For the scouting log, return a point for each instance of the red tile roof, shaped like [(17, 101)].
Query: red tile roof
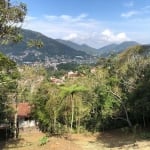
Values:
[(24, 109)]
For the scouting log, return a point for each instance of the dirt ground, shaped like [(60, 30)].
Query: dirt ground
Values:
[(30, 140)]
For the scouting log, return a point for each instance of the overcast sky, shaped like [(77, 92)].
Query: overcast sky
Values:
[(94, 22)]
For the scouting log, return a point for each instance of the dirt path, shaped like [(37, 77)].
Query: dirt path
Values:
[(88, 142), (107, 141), (111, 141)]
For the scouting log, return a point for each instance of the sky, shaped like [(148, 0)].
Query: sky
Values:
[(93, 22)]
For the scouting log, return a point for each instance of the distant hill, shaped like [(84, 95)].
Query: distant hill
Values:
[(58, 50), (103, 51), (83, 47), (52, 48), (116, 48)]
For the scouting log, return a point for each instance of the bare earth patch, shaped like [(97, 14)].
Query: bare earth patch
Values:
[(103, 141)]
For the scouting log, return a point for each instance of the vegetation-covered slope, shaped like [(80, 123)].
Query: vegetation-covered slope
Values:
[(83, 47), (116, 48), (51, 48)]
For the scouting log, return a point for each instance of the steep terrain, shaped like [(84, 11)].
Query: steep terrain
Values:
[(116, 48), (56, 51), (103, 51), (82, 47), (51, 49)]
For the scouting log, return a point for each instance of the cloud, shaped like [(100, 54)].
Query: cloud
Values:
[(67, 18), (80, 29), (129, 14), (71, 36), (140, 13), (109, 36), (76, 28)]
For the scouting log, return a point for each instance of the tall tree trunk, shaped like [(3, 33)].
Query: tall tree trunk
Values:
[(16, 128), (54, 121), (127, 116), (16, 131), (72, 112), (79, 119), (79, 124)]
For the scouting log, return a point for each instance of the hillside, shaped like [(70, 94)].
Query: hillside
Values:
[(56, 51), (83, 47), (51, 49), (116, 48), (103, 51), (142, 50)]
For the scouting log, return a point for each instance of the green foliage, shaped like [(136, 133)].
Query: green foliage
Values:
[(30, 80), (35, 43), (43, 141), (8, 85), (122, 93), (71, 90), (68, 66), (11, 16), (116, 95), (47, 107)]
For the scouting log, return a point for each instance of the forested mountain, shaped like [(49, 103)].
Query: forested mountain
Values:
[(82, 47), (103, 51), (51, 49), (56, 50), (116, 48)]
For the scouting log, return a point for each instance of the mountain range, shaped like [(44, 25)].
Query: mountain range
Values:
[(116, 48), (51, 49), (57, 50), (82, 47), (103, 51)]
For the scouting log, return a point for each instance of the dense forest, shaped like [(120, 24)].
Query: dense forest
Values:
[(114, 93)]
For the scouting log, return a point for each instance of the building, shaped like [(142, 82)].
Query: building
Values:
[(24, 115)]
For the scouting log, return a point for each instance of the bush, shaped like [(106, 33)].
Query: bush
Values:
[(43, 140)]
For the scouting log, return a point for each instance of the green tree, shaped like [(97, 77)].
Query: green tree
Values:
[(11, 18), (70, 91), (8, 85), (47, 106)]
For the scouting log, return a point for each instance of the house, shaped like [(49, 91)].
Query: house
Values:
[(24, 115), (57, 81)]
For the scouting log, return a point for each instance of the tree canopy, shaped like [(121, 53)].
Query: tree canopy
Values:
[(8, 85), (11, 19)]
